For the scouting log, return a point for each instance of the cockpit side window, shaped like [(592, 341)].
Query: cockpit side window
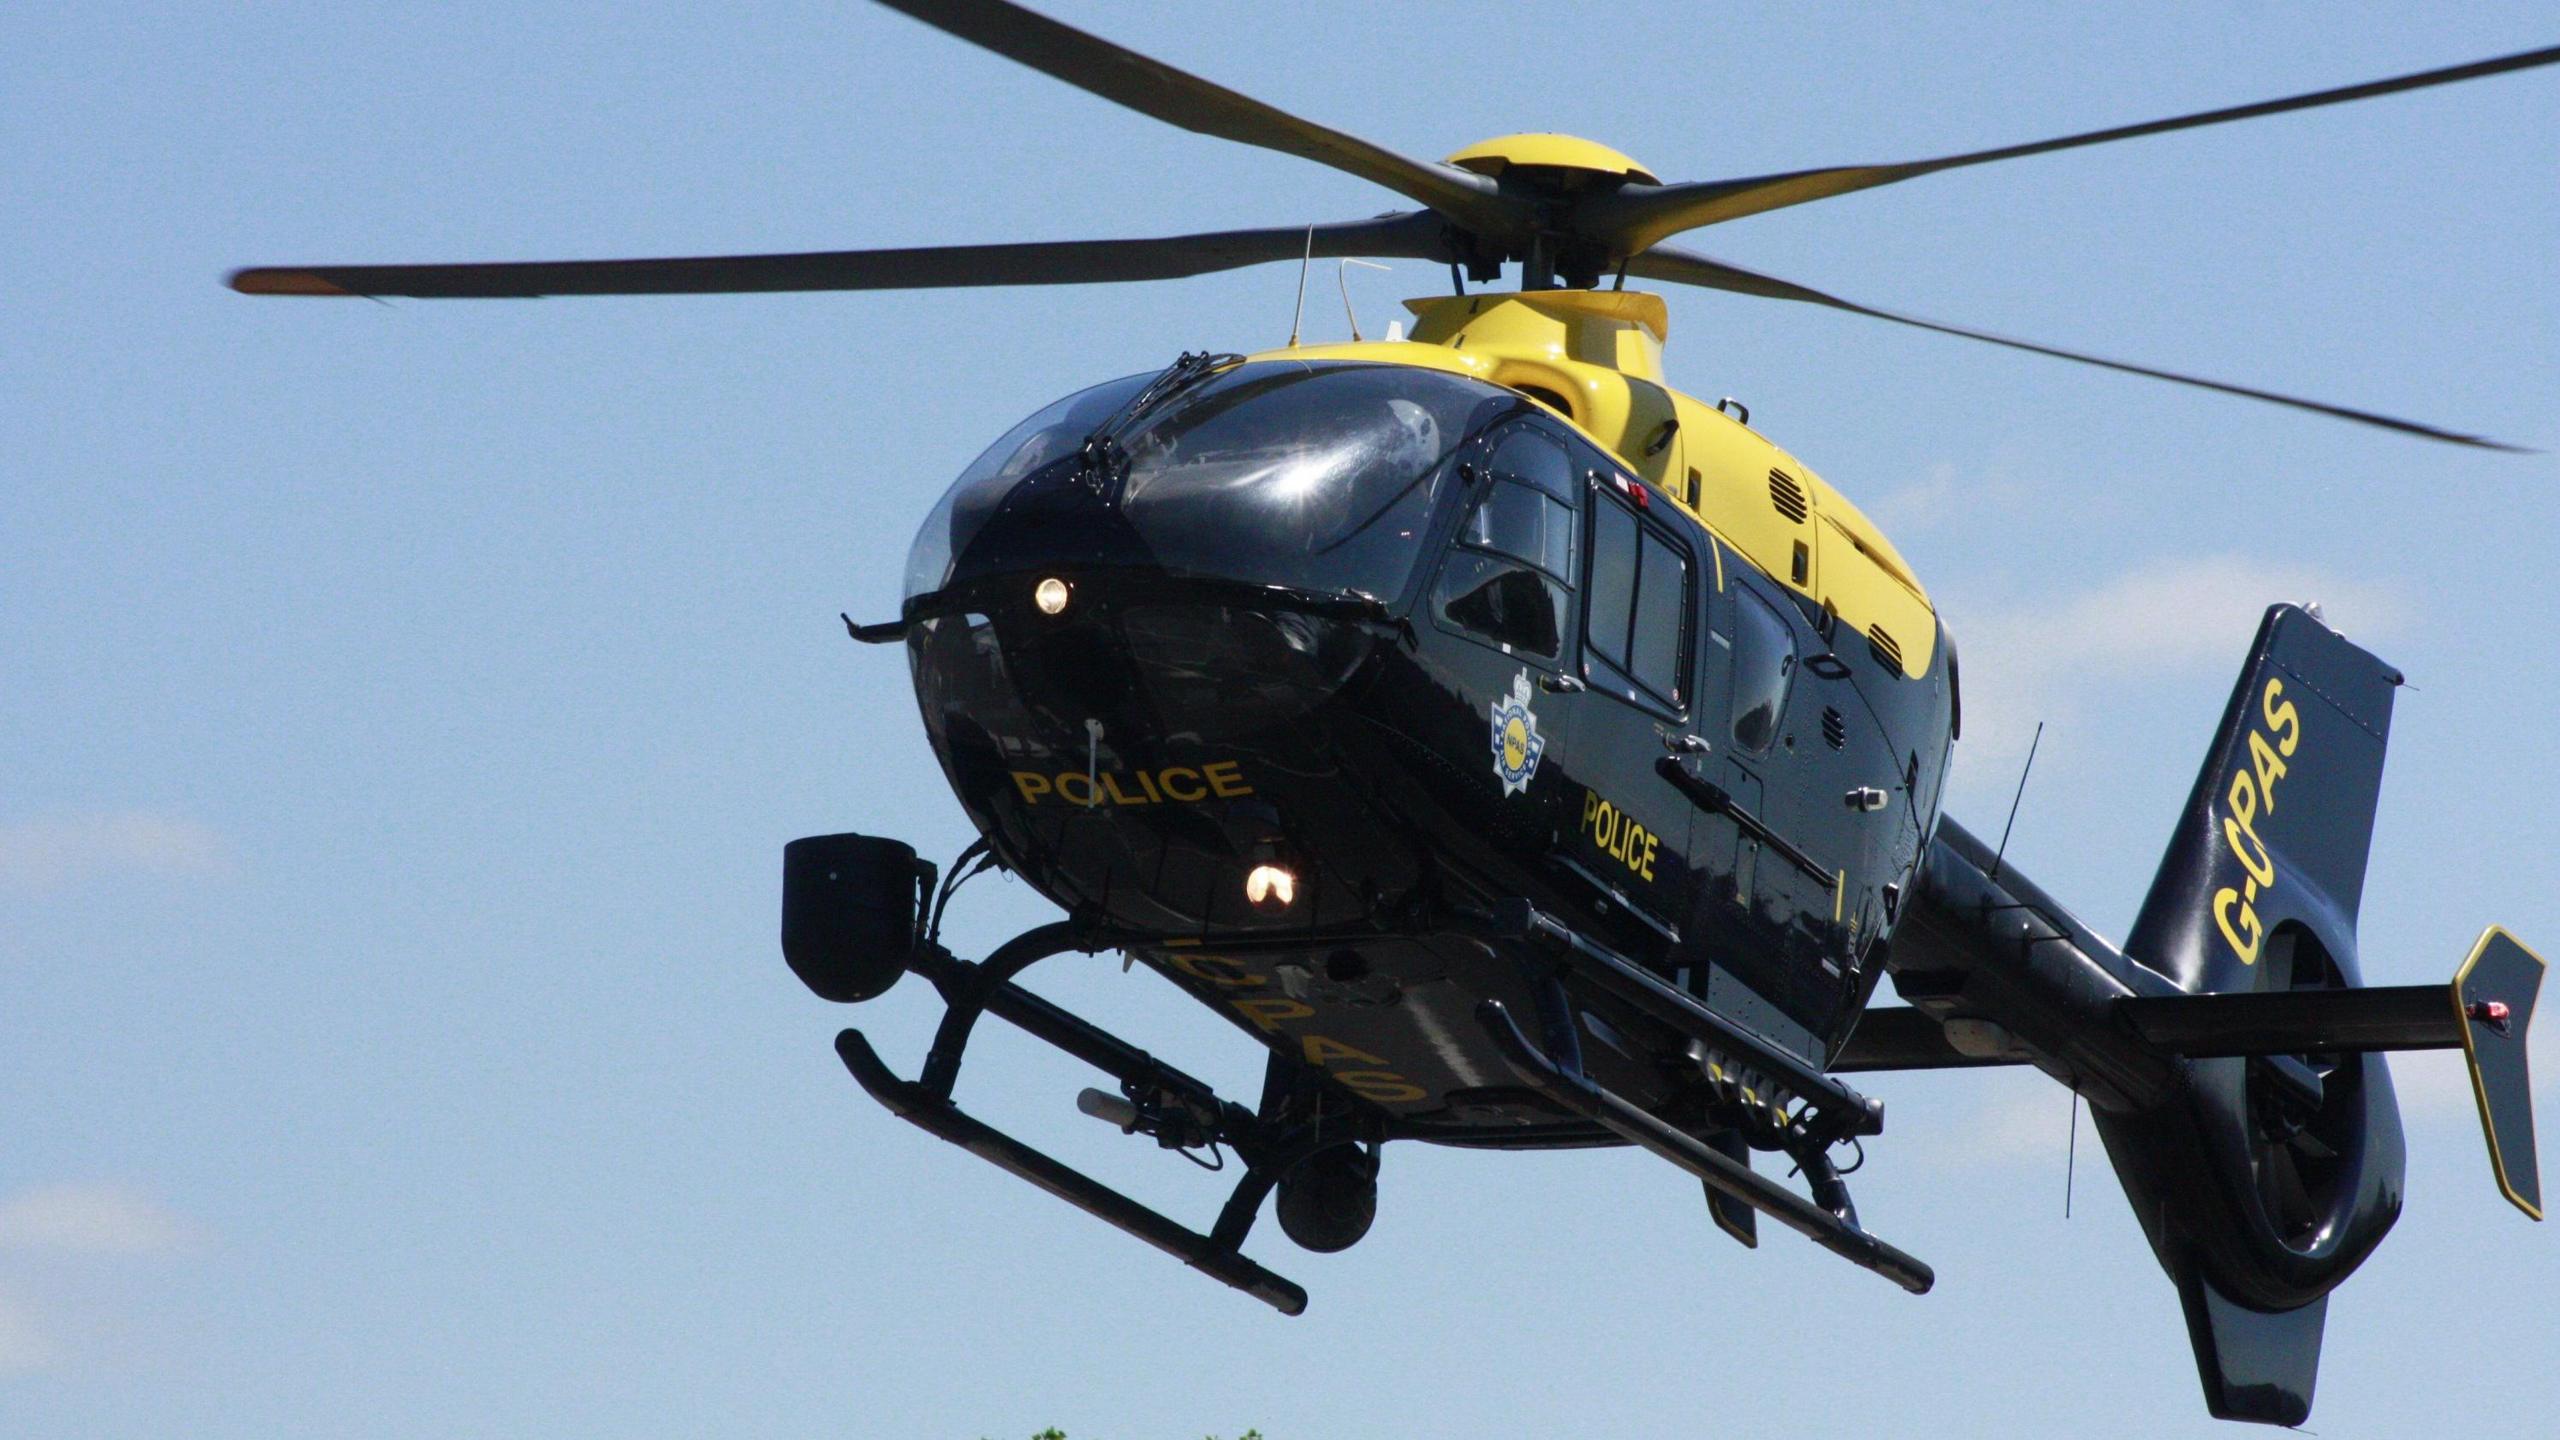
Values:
[(1527, 513), (1507, 579), (1764, 664)]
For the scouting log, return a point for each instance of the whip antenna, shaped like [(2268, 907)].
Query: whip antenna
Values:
[(2023, 771), (1300, 313), (2071, 1157)]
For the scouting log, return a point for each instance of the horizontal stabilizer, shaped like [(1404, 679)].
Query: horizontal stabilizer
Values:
[(2295, 1022)]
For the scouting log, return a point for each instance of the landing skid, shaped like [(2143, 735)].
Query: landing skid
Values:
[(850, 911), (1173, 1106), (1566, 1085), (1552, 1065)]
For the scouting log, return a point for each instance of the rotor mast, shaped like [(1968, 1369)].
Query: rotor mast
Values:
[(1554, 174)]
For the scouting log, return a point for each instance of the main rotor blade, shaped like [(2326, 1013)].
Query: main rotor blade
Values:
[(1154, 88), (1665, 263), (1631, 219), (1414, 234)]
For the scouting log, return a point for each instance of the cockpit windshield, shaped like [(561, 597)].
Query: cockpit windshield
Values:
[(1315, 475)]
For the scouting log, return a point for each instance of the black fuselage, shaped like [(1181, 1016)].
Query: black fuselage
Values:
[(1417, 643)]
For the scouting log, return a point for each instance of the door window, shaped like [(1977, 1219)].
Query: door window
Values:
[(1764, 663), (1640, 602), (1660, 641)]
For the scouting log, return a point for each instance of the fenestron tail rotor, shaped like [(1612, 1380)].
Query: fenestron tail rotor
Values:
[(1565, 209)]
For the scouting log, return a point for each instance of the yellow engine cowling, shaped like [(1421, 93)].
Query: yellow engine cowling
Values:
[(1595, 357)]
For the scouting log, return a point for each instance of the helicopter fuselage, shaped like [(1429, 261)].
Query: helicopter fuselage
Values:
[(1277, 672)]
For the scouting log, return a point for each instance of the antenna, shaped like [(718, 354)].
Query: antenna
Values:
[(1999, 855), (2071, 1157), (1341, 269), (1300, 313)]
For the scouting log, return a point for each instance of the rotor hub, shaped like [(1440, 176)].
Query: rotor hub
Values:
[(1569, 158)]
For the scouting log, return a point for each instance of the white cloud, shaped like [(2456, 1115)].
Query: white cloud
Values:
[(2025, 1127), (1948, 495), (51, 851), (23, 1346), (2042, 657), (1996, 1119), (92, 1219)]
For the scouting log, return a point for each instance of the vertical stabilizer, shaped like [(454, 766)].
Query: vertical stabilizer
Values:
[(2275, 834), (2256, 1364)]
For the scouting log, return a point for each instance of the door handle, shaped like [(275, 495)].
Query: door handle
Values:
[(1714, 798), (1559, 684), (1684, 744)]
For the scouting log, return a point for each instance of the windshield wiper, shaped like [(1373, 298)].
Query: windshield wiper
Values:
[(1102, 460)]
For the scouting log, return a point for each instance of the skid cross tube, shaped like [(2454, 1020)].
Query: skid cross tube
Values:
[(969, 990), (939, 1117), (1581, 1095)]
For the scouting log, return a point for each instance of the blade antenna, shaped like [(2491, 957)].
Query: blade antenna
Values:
[(1300, 313), (2023, 771)]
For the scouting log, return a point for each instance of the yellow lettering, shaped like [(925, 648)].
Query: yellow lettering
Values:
[(1216, 969), (1147, 783), (1268, 1013), (1224, 779), (1165, 776), (1111, 782), (2224, 901), (1323, 1051), (2283, 719), (1619, 835), (1381, 1085), (2244, 799), (2261, 869), (2270, 769), (1071, 778), (1032, 786)]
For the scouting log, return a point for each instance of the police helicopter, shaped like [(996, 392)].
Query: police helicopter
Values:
[(1527, 755)]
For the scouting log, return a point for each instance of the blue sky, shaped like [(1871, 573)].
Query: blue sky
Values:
[(402, 708)]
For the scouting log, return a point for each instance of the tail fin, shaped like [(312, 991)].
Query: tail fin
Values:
[(2275, 834), (2279, 1173)]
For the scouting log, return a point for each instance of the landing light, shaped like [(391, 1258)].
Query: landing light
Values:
[(1050, 595), (1270, 887)]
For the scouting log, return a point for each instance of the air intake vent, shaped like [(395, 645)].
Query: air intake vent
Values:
[(1883, 646), (1835, 731), (1787, 495)]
